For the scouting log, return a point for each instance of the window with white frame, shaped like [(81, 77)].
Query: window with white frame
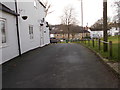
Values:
[(3, 30), (31, 31)]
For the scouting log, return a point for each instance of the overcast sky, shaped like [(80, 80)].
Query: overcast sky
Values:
[(93, 10)]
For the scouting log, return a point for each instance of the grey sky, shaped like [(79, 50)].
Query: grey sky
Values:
[(93, 10)]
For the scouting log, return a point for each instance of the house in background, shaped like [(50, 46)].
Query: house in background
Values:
[(76, 32), (114, 31), (22, 29), (76, 35), (96, 33)]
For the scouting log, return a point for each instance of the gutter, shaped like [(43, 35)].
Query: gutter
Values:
[(18, 34), (7, 10)]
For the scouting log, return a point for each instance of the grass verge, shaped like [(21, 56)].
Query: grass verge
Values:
[(115, 48)]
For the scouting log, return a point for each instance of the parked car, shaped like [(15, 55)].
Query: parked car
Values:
[(54, 40), (62, 40)]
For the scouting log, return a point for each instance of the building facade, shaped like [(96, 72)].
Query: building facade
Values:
[(8, 34), (99, 33), (78, 35), (60, 31), (114, 31), (23, 28), (96, 33)]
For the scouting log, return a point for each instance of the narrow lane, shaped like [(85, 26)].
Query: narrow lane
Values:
[(58, 66)]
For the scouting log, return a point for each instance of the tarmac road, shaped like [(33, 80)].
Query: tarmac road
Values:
[(58, 66)]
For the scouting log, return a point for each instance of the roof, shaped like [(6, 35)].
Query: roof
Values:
[(96, 29), (7, 10), (60, 29), (115, 24)]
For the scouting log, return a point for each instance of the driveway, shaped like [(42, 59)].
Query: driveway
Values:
[(58, 66)]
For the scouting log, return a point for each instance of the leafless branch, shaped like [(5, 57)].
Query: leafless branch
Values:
[(68, 18), (48, 7)]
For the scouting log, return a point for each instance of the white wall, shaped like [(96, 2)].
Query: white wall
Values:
[(96, 34), (10, 4), (113, 31), (11, 49), (47, 36), (41, 36), (35, 14)]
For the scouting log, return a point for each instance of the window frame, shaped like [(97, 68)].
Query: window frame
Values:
[(31, 33), (4, 44)]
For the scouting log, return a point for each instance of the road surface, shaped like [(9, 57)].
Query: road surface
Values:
[(58, 66)]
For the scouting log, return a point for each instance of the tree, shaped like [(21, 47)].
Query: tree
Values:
[(117, 16), (98, 25), (68, 18), (48, 7)]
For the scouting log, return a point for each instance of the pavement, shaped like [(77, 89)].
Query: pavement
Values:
[(58, 66)]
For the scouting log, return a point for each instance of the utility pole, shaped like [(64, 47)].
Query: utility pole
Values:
[(105, 25), (82, 17), (81, 13)]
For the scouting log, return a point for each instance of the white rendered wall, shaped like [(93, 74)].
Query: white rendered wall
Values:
[(113, 30), (35, 14), (11, 49), (96, 34), (9, 3), (47, 36)]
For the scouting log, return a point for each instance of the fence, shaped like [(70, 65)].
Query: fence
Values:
[(99, 44)]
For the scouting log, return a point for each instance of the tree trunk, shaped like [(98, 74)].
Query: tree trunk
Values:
[(68, 33), (63, 35)]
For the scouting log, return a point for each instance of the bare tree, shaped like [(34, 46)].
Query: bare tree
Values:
[(99, 24), (48, 7), (68, 18), (117, 16)]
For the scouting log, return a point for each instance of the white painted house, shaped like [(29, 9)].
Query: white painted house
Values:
[(23, 30), (31, 32), (96, 33), (99, 33), (8, 34), (114, 31)]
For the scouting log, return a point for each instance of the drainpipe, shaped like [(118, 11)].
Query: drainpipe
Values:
[(18, 34)]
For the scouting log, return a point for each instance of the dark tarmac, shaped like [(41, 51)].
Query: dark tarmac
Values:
[(58, 66)]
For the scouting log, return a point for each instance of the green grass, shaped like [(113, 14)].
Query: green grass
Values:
[(61, 42), (115, 49)]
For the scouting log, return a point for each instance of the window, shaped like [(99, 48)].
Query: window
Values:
[(31, 31), (3, 31)]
